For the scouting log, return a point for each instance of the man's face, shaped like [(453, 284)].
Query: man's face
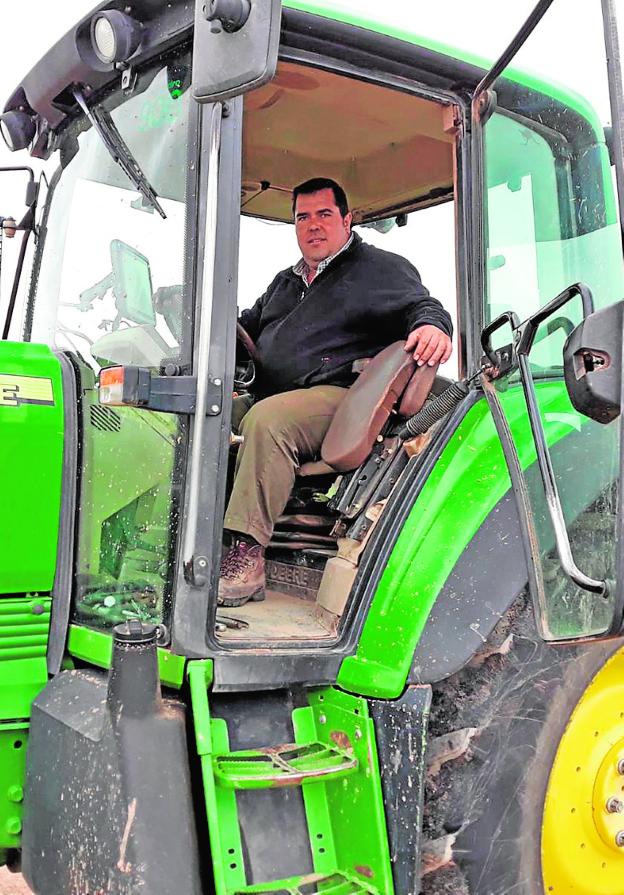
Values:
[(321, 229)]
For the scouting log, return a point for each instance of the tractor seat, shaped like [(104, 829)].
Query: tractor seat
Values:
[(390, 378)]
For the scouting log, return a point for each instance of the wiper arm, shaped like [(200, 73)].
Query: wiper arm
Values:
[(114, 142)]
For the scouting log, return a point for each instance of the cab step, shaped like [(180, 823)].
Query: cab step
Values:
[(289, 765), (304, 816), (312, 884)]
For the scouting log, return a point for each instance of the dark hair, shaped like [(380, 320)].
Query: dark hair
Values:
[(322, 183)]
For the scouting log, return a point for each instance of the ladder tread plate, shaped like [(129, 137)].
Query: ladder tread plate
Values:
[(311, 884), (285, 765)]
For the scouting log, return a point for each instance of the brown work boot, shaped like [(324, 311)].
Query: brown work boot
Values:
[(242, 573)]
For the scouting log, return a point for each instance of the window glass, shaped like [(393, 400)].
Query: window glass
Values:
[(551, 222), (111, 292)]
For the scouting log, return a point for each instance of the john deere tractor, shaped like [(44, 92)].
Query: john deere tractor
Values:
[(431, 698)]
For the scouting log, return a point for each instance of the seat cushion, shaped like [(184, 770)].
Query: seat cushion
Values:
[(366, 407)]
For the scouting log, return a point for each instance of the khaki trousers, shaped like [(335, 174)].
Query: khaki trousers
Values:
[(280, 433)]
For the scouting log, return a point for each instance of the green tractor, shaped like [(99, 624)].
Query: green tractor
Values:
[(431, 698)]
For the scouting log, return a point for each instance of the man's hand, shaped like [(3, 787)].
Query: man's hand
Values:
[(430, 345)]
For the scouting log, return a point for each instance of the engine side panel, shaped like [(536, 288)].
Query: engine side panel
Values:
[(31, 459)]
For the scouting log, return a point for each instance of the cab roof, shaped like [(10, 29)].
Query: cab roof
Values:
[(45, 90)]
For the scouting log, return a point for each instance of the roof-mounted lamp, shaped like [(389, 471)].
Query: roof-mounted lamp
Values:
[(115, 36), (18, 129)]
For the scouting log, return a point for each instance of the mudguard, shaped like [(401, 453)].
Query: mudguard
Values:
[(108, 804)]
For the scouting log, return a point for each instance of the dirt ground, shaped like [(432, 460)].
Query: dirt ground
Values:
[(12, 884)]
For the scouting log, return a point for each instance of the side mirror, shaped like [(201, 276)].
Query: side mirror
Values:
[(592, 363), (13, 193), (235, 46), (132, 283)]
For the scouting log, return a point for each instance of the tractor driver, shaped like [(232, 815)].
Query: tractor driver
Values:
[(344, 300)]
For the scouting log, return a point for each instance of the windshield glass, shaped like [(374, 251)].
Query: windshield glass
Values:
[(94, 297), (110, 291)]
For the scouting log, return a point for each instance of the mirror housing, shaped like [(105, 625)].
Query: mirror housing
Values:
[(592, 363), (235, 47)]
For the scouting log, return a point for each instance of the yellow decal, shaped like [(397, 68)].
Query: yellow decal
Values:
[(16, 390)]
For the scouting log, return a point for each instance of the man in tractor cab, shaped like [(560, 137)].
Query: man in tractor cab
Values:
[(343, 301)]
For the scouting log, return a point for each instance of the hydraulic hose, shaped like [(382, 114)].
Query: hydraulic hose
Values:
[(435, 409)]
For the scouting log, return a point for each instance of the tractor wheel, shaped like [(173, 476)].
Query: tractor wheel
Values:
[(526, 797)]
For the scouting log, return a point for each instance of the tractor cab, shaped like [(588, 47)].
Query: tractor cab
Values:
[(387, 720), (121, 295)]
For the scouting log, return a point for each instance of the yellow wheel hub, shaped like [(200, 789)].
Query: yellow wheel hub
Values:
[(583, 822)]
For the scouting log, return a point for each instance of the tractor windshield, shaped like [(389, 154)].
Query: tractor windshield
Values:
[(110, 291), (110, 286)]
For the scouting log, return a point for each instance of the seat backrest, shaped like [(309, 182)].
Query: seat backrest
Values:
[(368, 404)]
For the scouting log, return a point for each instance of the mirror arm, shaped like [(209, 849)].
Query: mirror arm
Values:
[(520, 38)]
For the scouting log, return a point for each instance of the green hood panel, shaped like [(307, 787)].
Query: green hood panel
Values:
[(31, 459)]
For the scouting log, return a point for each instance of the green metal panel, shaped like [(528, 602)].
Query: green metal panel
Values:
[(31, 457), (344, 808), (13, 739), (96, 647), (346, 818), (465, 485), (24, 627)]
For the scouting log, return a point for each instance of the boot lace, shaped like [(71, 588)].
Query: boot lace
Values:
[(236, 559)]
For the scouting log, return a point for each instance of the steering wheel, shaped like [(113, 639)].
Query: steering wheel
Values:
[(246, 357)]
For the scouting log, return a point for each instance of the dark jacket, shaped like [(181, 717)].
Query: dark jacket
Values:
[(363, 301)]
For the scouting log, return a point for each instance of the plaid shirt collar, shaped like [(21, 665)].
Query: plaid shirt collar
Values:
[(302, 270)]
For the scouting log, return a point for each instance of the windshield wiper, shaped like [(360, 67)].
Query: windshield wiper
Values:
[(114, 142)]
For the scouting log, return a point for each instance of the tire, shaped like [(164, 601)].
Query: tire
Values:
[(492, 799)]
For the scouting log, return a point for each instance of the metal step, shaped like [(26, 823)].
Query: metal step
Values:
[(312, 884), (288, 765), (322, 793)]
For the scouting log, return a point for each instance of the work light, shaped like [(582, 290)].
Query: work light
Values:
[(18, 129), (114, 35)]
